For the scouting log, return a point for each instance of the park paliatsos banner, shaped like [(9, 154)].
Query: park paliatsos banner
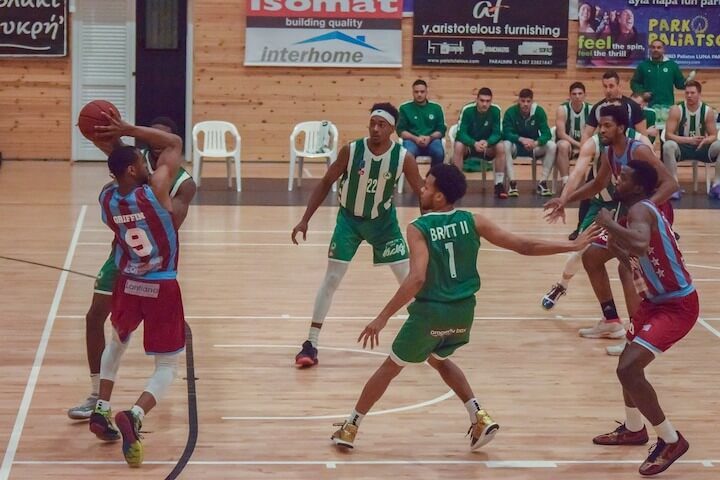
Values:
[(616, 33), (491, 33), (311, 33)]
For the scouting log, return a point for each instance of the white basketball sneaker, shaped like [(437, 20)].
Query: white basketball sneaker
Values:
[(603, 329)]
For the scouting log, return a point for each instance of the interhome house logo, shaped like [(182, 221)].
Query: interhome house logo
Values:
[(327, 6)]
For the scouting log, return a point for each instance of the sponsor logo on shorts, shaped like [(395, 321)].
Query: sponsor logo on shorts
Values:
[(142, 289), (646, 328), (331, 250), (394, 247), (448, 332)]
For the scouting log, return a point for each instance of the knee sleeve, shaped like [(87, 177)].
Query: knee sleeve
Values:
[(111, 356), (165, 373)]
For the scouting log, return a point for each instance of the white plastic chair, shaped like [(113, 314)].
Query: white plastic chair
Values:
[(321, 141), (214, 145), (421, 159), (708, 172)]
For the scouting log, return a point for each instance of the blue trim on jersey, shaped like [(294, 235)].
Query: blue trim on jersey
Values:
[(672, 295), (669, 246), (168, 226)]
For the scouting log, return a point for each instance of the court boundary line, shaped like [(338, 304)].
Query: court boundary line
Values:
[(24, 408), (527, 464)]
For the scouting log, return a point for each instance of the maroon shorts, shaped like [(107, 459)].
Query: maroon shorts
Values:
[(158, 303), (659, 326)]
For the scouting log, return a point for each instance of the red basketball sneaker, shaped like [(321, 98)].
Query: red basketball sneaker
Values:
[(622, 436), (663, 455)]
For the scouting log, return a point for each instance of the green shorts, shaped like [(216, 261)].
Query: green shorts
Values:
[(105, 280), (595, 206), (383, 233), (689, 152), (433, 328)]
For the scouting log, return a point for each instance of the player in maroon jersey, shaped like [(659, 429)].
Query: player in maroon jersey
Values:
[(667, 312)]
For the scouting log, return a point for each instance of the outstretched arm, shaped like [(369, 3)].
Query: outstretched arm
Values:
[(419, 257), (335, 171), (531, 246)]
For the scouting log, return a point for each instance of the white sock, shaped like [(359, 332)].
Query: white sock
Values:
[(472, 406), (633, 419), (499, 177), (564, 179), (355, 418), (138, 411), (313, 335), (95, 383), (103, 405), (666, 431)]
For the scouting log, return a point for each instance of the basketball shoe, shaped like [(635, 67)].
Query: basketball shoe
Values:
[(603, 329), (551, 298), (130, 426), (543, 190), (622, 436), (307, 356), (482, 432), (345, 435), (101, 425), (84, 410), (663, 455), (513, 190)]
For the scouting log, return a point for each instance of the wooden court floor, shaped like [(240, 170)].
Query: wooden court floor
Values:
[(248, 296)]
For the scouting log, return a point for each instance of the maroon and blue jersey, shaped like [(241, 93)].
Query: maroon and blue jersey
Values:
[(660, 274), (146, 240), (616, 163)]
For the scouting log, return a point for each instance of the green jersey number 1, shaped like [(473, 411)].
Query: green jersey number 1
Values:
[(451, 252)]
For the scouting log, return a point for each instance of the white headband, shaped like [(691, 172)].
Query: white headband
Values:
[(383, 114)]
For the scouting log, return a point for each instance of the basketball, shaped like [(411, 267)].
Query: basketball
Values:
[(91, 116)]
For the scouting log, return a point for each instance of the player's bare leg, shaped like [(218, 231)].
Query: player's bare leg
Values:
[(95, 345), (610, 326), (632, 302)]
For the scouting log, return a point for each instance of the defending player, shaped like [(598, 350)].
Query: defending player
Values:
[(368, 169), (668, 311), (443, 279)]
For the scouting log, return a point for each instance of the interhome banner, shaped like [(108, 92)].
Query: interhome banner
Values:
[(616, 33), (491, 33), (33, 28), (324, 33)]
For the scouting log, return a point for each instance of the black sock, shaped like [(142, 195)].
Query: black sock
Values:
[(583, 210), (609, 311)]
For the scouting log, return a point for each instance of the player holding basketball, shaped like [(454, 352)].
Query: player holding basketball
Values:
[(368, 169), (443, 279), (142, 218), (182, 192), (668, 311)]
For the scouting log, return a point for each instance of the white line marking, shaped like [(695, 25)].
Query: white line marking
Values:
[(702, 266), (365, 317), (709, 327), (245, 244), (487, 463), (406, 408), (707, 463), (40, 353), (331, 465)]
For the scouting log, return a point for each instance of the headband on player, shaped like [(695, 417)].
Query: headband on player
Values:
[(385, 115)]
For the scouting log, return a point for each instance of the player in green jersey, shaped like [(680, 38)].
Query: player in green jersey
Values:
[(443, 280), (368, 169), (691, 134), (182, 193)]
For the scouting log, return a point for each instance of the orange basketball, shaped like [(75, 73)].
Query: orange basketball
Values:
[(91, 116)]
